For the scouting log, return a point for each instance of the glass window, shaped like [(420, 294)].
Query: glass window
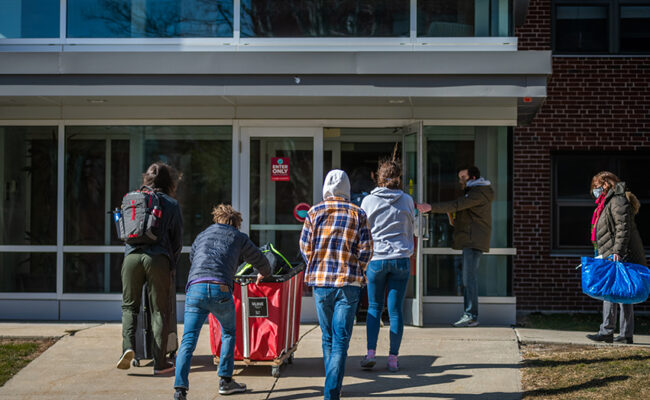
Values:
[(450, 148), (27, 272), (444, 275), (573, 206), (447, 150), (149, 18), (635, 29), (105, 162), (28, 168), (91, 162), (92, 272), (29, 19), (581, 29), (272, 201), (463, 18), (326, 18)]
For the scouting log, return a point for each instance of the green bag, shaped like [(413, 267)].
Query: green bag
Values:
[(279, 264)]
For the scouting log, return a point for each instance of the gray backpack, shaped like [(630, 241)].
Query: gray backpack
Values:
[(139, 219)]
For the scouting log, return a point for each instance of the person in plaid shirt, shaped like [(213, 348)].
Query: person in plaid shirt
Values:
[(336, 245)]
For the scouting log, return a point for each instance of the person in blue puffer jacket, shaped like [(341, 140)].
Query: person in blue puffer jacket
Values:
[(215, 256)]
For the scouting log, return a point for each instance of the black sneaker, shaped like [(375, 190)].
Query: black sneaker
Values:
[(125, 360), (231, 387), (601, 338), (181, 394), (623, 339)]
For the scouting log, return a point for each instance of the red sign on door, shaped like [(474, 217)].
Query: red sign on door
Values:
[(280, 169)]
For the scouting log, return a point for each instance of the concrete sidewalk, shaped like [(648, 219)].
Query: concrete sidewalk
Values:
[(436, 362)]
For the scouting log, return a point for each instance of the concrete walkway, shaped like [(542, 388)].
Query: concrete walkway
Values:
[(436, 362)]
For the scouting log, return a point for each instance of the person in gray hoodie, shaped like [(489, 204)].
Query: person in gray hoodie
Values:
[(391, 216)]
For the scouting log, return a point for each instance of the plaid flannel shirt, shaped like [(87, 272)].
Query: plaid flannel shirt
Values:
[(336, 244)]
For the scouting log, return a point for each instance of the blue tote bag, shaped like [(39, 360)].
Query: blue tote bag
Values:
[(615, 281)]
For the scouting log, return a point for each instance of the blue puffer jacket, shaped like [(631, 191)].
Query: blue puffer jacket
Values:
[(216, 252)]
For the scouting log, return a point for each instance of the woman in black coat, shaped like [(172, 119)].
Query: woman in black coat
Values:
[(614, 234)]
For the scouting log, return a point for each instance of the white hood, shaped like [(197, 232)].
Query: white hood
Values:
[(336, 184)]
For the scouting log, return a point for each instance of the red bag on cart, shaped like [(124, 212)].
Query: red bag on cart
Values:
[(267, 315)]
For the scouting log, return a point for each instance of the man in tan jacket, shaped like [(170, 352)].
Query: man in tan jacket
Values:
[(472, 229)]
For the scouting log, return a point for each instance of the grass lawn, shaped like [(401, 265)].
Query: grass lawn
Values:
[(577, 322), (585, 372), (16, 353)]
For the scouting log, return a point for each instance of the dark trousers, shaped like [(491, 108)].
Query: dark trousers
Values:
[(137, 269)]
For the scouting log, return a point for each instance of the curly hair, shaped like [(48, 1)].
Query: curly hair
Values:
[(604, 178), (226, 214), (389, 172), (162, 177)]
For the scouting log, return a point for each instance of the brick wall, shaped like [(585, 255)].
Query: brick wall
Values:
[(595, 103)]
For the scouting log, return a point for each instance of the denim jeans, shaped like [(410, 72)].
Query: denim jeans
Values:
[(471, 258), (203, 299), (394, 276), (335, 307)]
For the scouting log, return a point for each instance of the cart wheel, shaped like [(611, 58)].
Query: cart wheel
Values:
[(290, 359), (275, 371), (135, 363)]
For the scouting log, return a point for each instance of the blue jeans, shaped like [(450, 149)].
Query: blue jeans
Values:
[(335, 307), (203, 299), (471, 258), (394, 276)]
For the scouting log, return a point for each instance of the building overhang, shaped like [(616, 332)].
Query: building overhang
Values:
[(413, 83)]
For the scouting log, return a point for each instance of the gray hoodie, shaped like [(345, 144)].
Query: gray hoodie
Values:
[(336, 184), (391, 216)]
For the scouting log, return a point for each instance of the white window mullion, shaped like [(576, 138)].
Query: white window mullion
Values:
[(413, 21), (63, 19), (236, 22), (60, 210)]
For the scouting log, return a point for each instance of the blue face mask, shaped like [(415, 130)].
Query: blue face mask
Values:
[(597, 192)]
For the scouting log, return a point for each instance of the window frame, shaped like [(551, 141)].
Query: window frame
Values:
[(614, 25), (412, 42)]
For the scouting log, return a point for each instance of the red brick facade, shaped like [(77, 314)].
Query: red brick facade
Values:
[(593, 103)]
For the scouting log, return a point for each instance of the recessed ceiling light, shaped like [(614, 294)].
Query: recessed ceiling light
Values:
[(396, 101), (96, 101)]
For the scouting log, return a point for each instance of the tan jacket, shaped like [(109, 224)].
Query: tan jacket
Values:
[(473, 223)]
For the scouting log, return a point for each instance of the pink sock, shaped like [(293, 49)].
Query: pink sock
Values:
[(371, 353)]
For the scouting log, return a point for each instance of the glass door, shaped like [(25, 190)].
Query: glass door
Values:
[(412, 172), (281, 175)]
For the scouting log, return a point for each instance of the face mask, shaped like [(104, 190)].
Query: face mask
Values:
[(597, 192)]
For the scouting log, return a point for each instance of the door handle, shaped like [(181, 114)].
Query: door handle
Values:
[(425, 228)]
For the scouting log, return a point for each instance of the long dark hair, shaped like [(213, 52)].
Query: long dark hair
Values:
[(162, 177)]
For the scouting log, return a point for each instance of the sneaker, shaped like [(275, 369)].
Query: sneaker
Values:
[(168, 368), (368, 361), (601, 338), (231, 387), (466, 321), (125, 360), (181, 394), (393, 364)]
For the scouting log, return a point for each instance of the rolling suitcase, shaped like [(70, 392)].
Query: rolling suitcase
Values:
[(144, 334)]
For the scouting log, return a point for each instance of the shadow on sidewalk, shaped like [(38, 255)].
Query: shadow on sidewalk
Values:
[(417, 372)]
